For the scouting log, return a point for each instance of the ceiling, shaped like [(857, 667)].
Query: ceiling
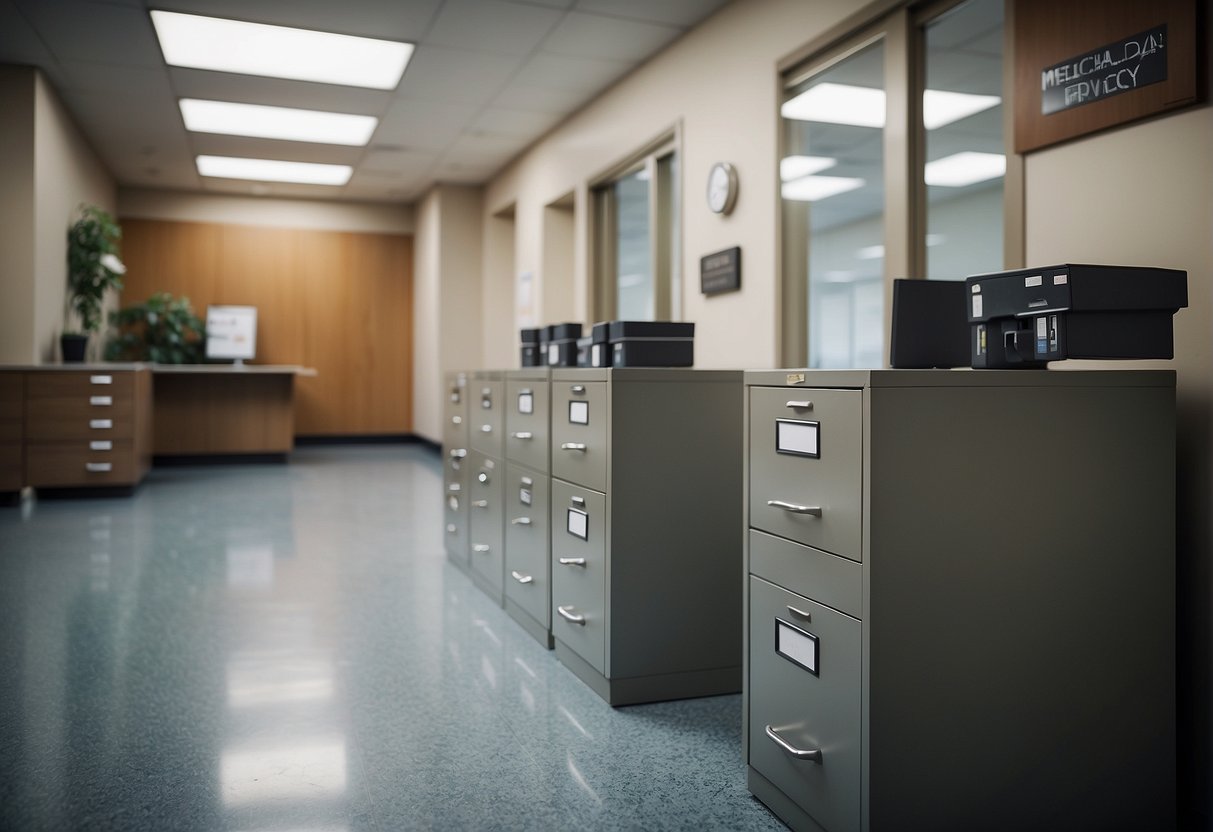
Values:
[(487, 79)]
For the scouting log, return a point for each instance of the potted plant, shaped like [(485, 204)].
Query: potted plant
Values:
[(93, 268), (163, 329)]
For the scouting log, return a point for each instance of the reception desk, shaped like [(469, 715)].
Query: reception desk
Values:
[(223, 409)]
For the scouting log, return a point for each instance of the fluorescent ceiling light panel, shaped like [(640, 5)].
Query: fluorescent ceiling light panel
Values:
[(276, 122), (940, 107), (813, 188), (272, 170), (199, 42), (865, 106), (794, 167), (965, 168), (837, 104)]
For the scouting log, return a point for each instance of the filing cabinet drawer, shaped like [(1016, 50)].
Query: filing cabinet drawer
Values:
[(12, 407), (78, 464), (579, 571), (455, 412), (828, 579), (12, 467), (804, 686), (806, 466), (455, 511), (527, 559), (579, 433), (486, 486), (80, 385), (526, 424), (486, 417), (53, 421)]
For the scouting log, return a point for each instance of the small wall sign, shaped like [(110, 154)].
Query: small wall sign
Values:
[(1120, 67), (720, 271)]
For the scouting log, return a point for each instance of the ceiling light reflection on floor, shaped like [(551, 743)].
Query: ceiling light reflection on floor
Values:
[(283, 773)]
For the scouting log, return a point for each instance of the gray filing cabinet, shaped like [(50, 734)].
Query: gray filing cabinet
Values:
[(960, 593), (645, 530), (455, 467), (527, 501), (487, 478)]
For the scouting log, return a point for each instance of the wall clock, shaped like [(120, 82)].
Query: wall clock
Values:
[(722, 188)]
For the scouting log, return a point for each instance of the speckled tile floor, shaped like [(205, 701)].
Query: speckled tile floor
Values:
[(272, 647)]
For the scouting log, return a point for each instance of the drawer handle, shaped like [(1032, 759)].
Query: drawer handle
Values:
[(577, 501), (99, 467), (100, 445), (522, 579), (480, 503), (458, 453), (573, 562), (100, 379), (567, 614), (486, 428), (572, 446), (101, 401), (100, 424), (480, 547), (800, 405), (456, 420), (813, 755), (522, 434), (451, 528), (578, 390), (795, 509), (806, 616), (454, 488), (521, 521)]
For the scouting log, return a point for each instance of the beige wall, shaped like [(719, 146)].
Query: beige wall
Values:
[(1143, 195), (375, 218), (66, 173), (718, 84), (16, 215), (447, 297)]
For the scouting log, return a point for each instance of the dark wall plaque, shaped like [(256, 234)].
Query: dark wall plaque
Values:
[(720, 271), (1113, 69)]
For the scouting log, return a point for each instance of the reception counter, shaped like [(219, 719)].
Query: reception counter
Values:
[(218, 409)]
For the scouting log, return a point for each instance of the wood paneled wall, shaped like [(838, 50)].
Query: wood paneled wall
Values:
[(340, 302)]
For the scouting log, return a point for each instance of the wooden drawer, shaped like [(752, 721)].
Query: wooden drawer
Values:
[(12, 407), (806, 466), (56, 420), (55, 384), (579, 433), (12, 468), (78, 464)]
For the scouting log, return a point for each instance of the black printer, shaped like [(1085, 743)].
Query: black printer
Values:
[(1027, 317)]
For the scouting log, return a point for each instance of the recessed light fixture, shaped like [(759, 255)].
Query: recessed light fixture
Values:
[(794, 167), (287, 123), (865, 106), (273, 170), (965, 168), (199, 42), (813, 188)]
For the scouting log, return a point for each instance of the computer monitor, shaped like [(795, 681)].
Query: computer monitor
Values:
[(231, 333), (930, 325)]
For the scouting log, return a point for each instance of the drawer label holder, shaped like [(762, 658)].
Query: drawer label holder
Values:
[(577, 523), (798, 438), (798, 646), (579, 413)]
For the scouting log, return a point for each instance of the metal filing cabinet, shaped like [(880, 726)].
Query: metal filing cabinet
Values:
[(645, 524), (486, 486), (527, 499), (960, 593), (455, 467)]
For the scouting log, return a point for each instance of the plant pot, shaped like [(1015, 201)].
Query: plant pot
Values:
[(74, 348)]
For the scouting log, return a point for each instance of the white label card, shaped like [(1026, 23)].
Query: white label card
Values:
[(579, 413), (578, 524), (798, 438), (976, 306), (524, 496), (526, 403), (553, 354), (796, 645), (596, 355)]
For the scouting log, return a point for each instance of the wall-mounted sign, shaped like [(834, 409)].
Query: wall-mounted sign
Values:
[(1087, 65), (1116, 68), (720, 271)]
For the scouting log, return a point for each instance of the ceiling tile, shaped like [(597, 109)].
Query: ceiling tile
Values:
[(144, 82), (465, 174), (472, 149), (538, 99), (684, 13), (395, 163), (18, 42), (492, 26), (423, 125), (247, 89), (521, 123), (584, 75), (385, 19), (97, 32), (462, 76), (594, 36)]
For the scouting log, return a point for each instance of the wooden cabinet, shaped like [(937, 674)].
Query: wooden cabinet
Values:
[(12, 431)]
